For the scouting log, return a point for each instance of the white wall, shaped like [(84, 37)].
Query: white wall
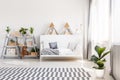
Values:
[(40, 13)]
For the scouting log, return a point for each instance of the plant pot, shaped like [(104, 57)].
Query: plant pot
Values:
[(34, 53), (8, 35), (100, 73), (11, 44), (31, 35)]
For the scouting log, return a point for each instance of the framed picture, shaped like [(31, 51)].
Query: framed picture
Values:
[(11, 52)]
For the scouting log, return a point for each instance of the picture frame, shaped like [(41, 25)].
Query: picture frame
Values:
[(11, 52)]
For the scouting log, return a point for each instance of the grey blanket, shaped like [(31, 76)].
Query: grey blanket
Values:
[(49, 51)]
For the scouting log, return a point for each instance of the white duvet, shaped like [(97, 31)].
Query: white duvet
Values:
[(63, 51)]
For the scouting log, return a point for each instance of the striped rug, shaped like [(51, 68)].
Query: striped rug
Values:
[(36, 73)]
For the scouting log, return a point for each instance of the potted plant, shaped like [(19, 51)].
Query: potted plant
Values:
[(23, 31), (99, 60), (7, 30), (12, 43), (31, 30), (34, 51)]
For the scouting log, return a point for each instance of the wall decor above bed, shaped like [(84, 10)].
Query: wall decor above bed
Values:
[(52, 30), (67, 30)]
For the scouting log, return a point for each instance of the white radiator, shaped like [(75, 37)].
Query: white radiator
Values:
[(115, 61)]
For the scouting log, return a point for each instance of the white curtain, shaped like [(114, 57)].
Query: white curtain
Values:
[(116, 21), (100, 22), (99, 25)]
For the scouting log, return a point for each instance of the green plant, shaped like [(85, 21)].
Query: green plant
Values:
[(31, 30), (33, 49), (23, 30), (99, 58), (7, 29)]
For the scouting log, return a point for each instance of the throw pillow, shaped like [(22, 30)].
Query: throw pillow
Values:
[(53, 45)]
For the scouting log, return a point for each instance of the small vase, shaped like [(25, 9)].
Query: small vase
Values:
[(100, 73), (8, 35), (34, 53), (31, 35)]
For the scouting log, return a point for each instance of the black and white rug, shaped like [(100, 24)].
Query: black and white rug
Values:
[(37, 73)]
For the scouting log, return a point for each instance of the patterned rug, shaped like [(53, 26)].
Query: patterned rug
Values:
[(37, 73)]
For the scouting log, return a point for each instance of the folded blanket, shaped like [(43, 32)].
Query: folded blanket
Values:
[(49, 51)]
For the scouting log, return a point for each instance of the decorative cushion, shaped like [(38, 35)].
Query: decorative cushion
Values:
[(53, 45)]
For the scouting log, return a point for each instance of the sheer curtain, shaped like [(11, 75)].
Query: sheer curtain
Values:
[(99, 27), (115, 21)]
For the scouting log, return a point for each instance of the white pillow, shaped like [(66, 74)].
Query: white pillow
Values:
[(72, 45)]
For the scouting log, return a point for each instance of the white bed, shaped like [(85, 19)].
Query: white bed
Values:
[(69, 46)]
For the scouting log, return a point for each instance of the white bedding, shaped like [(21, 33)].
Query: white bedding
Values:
[(68, 45), (63, 51)]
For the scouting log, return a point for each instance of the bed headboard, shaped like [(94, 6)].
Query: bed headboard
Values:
[(63, 41)]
